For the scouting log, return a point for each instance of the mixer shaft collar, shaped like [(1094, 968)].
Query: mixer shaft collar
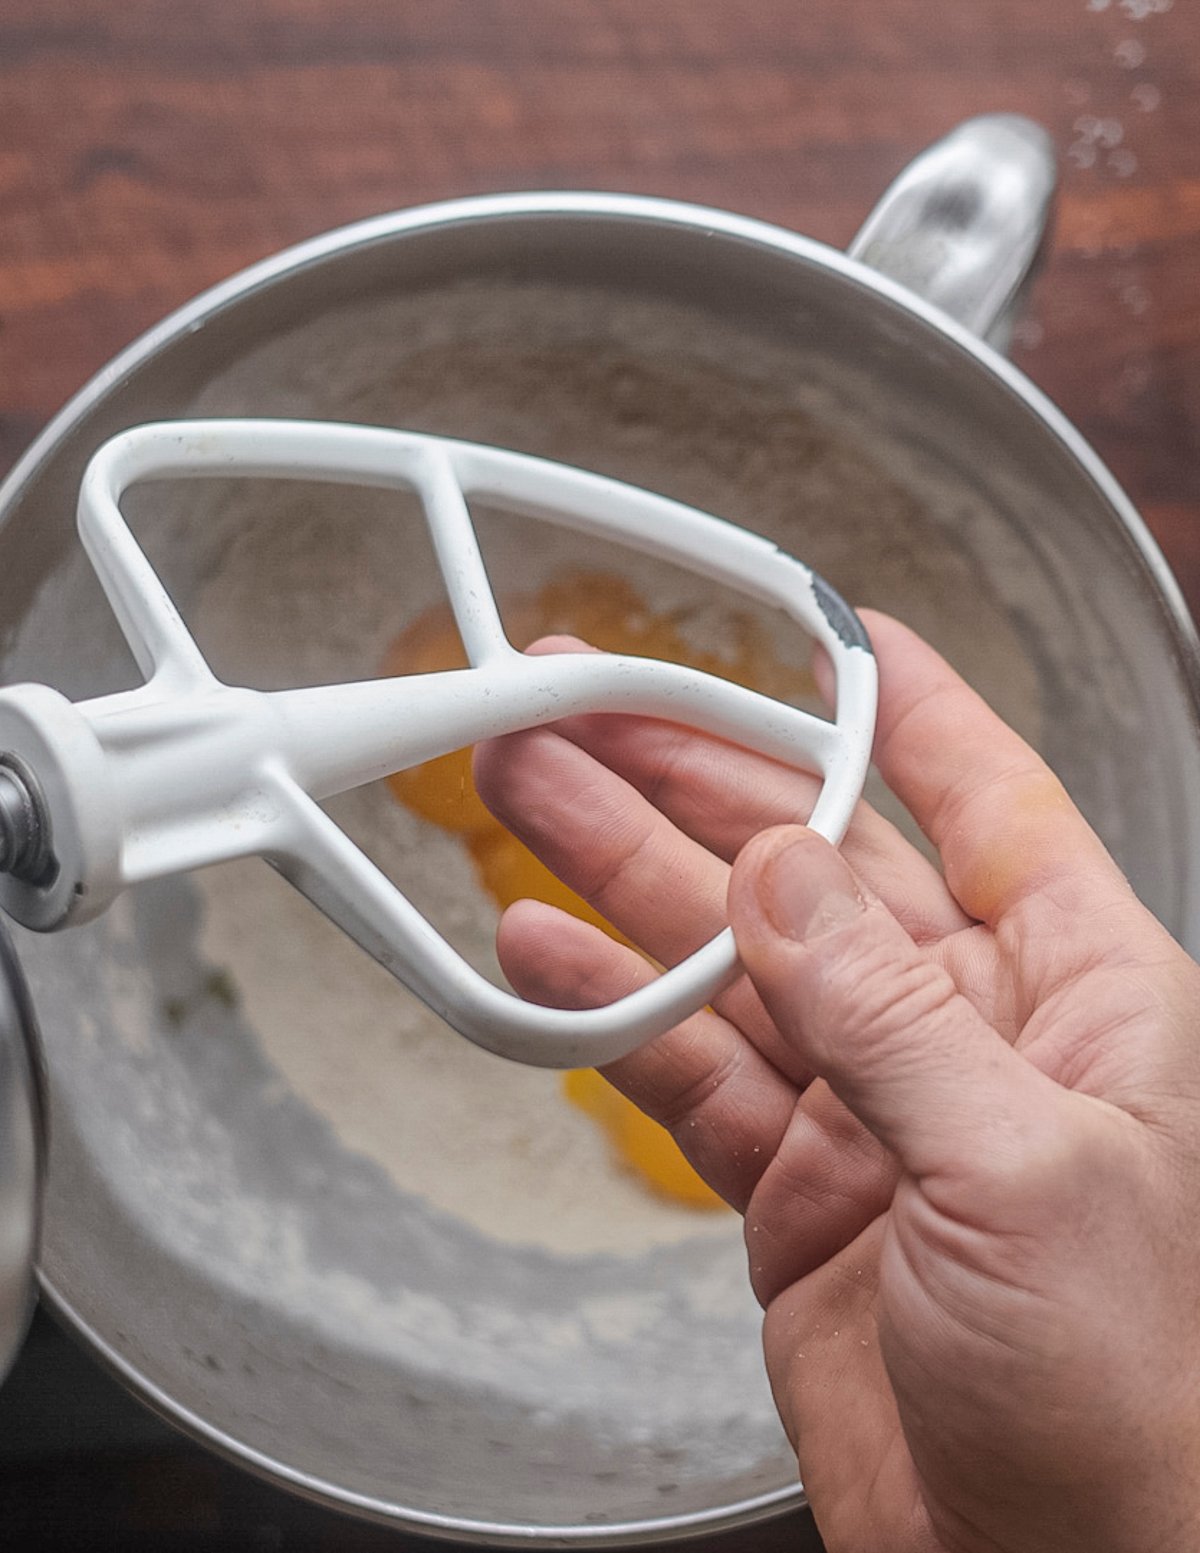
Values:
[(24, 835)]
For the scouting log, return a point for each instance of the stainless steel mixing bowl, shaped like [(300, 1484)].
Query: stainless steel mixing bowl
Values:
[(254, 1276)]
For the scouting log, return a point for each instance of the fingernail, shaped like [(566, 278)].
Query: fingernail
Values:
[(807, 891)]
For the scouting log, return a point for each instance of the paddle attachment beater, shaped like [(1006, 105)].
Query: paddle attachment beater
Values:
[(185, 771)]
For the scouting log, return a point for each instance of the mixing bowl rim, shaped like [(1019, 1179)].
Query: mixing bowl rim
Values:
[(652, 210), (612, 1534), (708, 223)]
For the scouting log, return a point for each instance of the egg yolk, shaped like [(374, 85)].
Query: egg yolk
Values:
[(606, 611)]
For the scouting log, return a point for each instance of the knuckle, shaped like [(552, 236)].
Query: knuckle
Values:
[(616, 869), (875, 998), (673, 767), (700, 1090)]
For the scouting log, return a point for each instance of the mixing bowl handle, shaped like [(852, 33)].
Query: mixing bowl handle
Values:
[(963, 225)]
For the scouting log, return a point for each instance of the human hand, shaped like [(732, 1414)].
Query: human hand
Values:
[(960, 1113)]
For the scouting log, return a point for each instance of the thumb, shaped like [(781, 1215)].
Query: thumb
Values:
[(882, 1023)]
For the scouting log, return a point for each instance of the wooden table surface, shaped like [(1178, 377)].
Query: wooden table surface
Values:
[(151, 147)]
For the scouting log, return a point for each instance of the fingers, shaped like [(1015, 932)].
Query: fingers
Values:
[(829, 1178), (807, 1174), (1007, 832), (821, 1345), (607, 843), (883, 1023), (726, 1106), (604, 841), (721, 795), (654, 882)]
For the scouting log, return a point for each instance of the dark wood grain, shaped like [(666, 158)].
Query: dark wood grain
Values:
[(151, 147)]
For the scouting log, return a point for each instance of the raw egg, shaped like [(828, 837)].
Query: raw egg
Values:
[(606, 611)]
